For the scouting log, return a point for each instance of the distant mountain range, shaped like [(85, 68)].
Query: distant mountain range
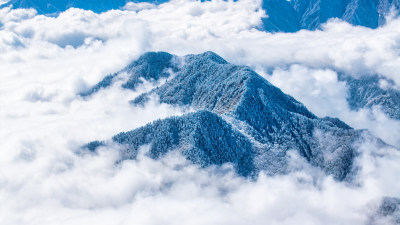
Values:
[(294, 15), (283, 15), (57, 6), (239, 118)]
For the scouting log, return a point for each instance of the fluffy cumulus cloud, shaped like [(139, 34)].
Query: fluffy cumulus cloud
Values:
[(46, 61)]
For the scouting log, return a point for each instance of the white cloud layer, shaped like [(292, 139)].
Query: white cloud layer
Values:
[(324, 95), (58, 187), (46, 61)]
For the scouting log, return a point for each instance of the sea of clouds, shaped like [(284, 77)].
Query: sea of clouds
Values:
[(45, 62)]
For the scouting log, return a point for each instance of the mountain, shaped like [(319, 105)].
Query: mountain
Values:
[(239, 118), (283, 15), (294, 15), (56, 6), (373, 91), (387, 213)]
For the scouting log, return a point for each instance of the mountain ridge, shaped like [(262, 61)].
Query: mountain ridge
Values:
[(247, 107)]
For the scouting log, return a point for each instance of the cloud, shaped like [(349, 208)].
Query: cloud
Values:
[(133, 6), (229, 28), (46, 61), (90, 188), (321, 92)]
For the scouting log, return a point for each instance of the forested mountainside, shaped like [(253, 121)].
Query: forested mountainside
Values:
[(240, 118), (373, 91), (294, 15)]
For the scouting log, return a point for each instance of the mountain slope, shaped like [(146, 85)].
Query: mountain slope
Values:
[(203, 137), (262, 119), (150, 67), (294, 15), (373, 91), (387, 213)]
